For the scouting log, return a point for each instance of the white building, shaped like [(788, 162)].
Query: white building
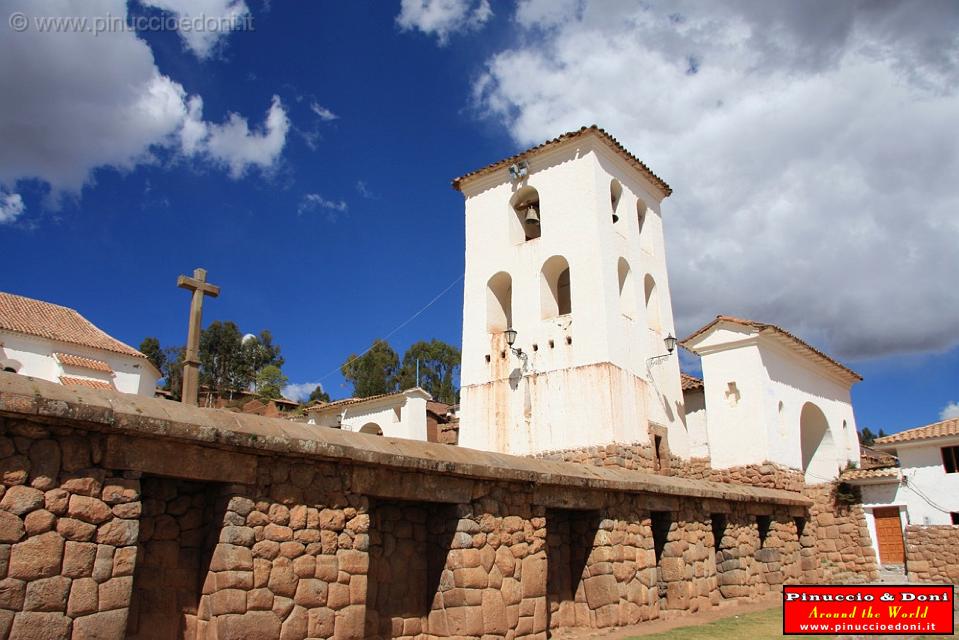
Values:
[(395, 415), (564, 244), (924, 489), (58, 344), (770, 397)]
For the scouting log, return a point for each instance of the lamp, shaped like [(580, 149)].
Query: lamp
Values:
[(670, 342), (510, 334)]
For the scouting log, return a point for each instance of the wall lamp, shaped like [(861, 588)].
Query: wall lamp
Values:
[(511, 340), (670, 343)]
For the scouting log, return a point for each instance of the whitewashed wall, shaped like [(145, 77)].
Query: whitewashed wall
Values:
[(398, 416), (35, 358)]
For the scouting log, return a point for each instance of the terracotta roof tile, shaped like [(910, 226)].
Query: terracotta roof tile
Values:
[(86, 382), (83, 363), (51, 321), (612, 142), (350, 401), (766, 327), (868, 474), (690, 382), (941, 429)]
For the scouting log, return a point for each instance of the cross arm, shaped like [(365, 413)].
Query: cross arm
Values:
[(186, 282)]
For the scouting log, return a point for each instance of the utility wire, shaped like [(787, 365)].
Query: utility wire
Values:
[(399, 327)]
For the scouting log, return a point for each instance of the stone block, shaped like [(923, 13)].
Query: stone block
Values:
[(253, 625), (327, 568), (115, 593), (120, 491), (283, 580), (118, 532), (78, 559), (321, 622), (348, 623), (242, 536), (47, 594), (228, 557), (353, 562), (106, 625), (20, 500), (39, 521), (296, 625), (12, 593), (83, 597), (37, 557), (673, 569), (601, 591), (103, 563), (534, 576), (34, 625), (92, 510), (228, 601), (494, 613), (11, 527), (465, 621), (338, 596), (124, 561), (310, 593), (234, 580)]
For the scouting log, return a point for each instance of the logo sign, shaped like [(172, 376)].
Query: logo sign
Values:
[(868, 609)]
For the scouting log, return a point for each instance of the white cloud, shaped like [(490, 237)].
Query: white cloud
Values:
[(809, 149), (949, 411), (67, 117), (300, 392), (207, 22), (11, 206), (325, 114), (443, 18), (363, 189), (314, 201)]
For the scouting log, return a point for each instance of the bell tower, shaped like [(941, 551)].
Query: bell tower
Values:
[(566, 305)]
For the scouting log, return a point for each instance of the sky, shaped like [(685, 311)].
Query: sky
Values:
[(302, 153)]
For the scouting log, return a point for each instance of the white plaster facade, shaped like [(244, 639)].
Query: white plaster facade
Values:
[(395, 415), (584, 378), (34, 356), (770, 397)]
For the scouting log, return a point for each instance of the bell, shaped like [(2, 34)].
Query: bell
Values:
[(532, 216)]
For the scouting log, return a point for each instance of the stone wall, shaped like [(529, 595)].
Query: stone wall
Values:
[(131, 517), (932, 553)]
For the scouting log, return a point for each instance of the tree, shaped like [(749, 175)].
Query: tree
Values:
[(259, 351), (373, 372), (438, 363), (270, 382), (150, 347), (222, 366), (318, 395), (173, 370), (867, 437)]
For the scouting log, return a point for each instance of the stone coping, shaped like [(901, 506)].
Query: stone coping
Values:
[(111, 411)]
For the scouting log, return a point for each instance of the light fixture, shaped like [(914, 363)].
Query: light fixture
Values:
[(670, 343), (510, 334)]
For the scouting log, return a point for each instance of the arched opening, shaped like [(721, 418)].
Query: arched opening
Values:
[(652, 303), (555, 294), (499, 302), (641, 215), (815, 440), (627, 293), (525, 204), (371, 427), (615, 195), (9, 369)]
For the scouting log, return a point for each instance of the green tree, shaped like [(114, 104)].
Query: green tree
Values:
[(318, 395), (259, 351), (222, 365), (150, 347), (173, 370), (270, 381), (867, 437), (438, 363), (373, 372)]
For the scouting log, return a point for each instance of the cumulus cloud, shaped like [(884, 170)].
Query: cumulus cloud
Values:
[(66, 117), (300, 392), (949, 411), (314, 201), (11, 206), (443, 18), (809, 148), (325, 114), (208, 22)]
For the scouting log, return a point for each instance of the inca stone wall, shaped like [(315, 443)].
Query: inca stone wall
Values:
[(932, 553), (123, 516)]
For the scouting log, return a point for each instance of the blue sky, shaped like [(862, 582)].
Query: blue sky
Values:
[(323, 207)]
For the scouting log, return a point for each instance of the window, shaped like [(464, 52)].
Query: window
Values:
[(955, 517), (526, 211), (950, 459), (719, 523), (499, 303), (555, 293), (652, 303), (660, 522), (762, 524), (627, 294), (615, 195), (641, 215), (372, 428), (9, 369)]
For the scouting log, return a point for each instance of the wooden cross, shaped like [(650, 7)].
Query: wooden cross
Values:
[(191, 362)]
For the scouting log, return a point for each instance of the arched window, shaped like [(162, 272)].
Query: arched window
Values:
[(9, 369), (499, 302), (527, 223), (652, 303), (641, 215), (627, 293), (615, 195), (816, 444), (371, 427), (555, 295)]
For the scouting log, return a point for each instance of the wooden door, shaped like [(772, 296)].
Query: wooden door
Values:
[(889, 533)]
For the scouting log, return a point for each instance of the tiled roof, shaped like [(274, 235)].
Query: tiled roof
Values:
[(45, 320), (612, 142), (350, 401), (83, 363), (869, 474), (690, 382), (86, 382), (941, 429), (766, 327)]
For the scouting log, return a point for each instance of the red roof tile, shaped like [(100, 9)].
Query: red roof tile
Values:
[(83, 363), (690, 382), (869, 474), (942, 429), (612, 142), (86, 382), (771, 328), (46, 320)]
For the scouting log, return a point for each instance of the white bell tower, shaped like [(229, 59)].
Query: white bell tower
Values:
[(564, 246)]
